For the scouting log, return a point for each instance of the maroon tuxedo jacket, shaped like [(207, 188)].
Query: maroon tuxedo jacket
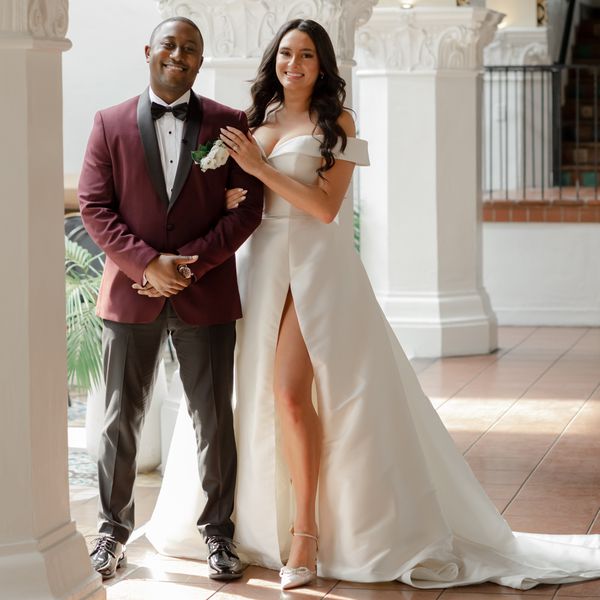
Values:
[(126, 210)]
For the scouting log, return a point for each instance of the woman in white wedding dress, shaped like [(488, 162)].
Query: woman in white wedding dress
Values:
[(396, 499)]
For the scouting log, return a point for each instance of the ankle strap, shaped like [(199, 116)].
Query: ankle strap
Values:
[(306, 535)]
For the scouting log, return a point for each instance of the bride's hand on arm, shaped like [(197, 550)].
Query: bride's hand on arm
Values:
[(243, 148)]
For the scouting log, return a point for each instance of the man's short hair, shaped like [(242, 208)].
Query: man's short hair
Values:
[(182, 20)]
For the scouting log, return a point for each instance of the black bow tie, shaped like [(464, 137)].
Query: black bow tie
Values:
[(179, 110)]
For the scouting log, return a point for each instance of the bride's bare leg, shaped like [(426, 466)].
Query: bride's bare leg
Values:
[(301, 429)]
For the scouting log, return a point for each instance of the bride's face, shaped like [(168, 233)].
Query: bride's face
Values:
[(297, 65)]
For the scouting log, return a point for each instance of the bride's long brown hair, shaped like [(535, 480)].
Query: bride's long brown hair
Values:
[(328, 96)]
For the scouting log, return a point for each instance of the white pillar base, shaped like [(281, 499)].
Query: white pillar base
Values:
[(49, 568), (430, 325)]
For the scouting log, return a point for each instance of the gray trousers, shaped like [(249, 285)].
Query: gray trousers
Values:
[(131, 356)]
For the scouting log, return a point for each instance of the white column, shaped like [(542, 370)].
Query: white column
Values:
[(41, 553), (237, 32), (420, 105)]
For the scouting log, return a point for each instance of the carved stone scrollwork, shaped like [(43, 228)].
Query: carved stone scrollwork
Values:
[(519, 47), (243, 28), (41, 19), (418, 40)]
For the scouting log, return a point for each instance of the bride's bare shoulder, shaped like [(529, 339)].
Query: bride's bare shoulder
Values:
[(346, 122)]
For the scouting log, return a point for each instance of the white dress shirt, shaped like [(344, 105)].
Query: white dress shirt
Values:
[(169, 132)]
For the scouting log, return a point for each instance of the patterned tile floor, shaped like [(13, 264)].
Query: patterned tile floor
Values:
[(526, 418)]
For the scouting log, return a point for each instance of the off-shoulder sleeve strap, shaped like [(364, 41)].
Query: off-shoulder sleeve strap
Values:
[(356, 151)]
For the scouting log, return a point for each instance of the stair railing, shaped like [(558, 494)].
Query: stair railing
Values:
[(566, 35), (541, 132)]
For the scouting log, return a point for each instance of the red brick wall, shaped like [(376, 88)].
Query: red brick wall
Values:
[(538, 211)]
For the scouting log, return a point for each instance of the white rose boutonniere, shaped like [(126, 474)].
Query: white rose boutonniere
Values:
[(211, 155)]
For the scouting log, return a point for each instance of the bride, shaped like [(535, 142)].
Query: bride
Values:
[(342, 461)]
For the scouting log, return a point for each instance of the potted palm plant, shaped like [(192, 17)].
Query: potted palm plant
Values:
[(83, 273)]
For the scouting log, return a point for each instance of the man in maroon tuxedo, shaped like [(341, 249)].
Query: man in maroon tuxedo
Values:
[(163, 223)]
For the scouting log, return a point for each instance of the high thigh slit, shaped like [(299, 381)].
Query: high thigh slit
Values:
[(396, 498), (299, 422)]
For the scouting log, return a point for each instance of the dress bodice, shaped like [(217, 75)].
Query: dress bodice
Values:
[(299, 157)]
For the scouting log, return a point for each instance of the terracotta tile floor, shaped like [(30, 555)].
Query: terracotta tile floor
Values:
[(527, 419)]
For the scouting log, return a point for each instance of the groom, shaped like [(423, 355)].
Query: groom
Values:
[(163, 223)]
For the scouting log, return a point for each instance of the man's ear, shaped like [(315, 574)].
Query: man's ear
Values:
[(147, 53), (201, 61)]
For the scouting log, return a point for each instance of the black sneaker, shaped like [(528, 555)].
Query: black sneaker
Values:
[(223, 562), (107, 556)]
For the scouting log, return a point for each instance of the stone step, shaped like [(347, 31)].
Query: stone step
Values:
[(582, 154)]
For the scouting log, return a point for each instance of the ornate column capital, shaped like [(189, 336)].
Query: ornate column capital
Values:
[(519, 46), (40, 19), (34, 24), (426, 39), (243, 28)]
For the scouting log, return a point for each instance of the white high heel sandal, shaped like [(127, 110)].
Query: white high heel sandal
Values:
[(292, 577)]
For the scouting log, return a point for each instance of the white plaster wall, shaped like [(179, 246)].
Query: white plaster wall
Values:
[(105, 66), (543, 273)]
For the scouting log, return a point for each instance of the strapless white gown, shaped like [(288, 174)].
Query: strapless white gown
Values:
[(396, 498)]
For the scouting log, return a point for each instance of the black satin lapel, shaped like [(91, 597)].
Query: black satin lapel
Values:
[(189, 139), (150, 144)]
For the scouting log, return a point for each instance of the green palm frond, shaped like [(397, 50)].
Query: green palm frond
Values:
[(84, 328)]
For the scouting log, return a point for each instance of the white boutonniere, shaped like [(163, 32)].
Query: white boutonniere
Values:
[(211, 155)]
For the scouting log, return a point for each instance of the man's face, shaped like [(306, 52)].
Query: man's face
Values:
[(175, 57)]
